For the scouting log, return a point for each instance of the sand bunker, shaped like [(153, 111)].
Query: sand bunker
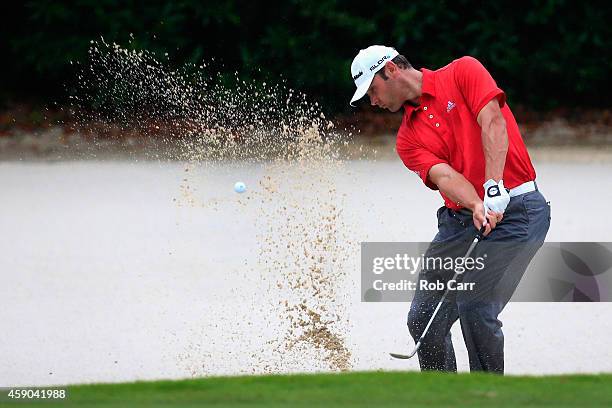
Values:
[(214, 119)]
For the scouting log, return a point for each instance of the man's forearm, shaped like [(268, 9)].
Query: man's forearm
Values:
[(495, 147), (455, 186)]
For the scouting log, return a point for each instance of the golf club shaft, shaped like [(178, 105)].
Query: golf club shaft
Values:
[(433, 316)]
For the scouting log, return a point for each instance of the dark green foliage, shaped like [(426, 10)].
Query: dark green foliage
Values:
[(545, 54)]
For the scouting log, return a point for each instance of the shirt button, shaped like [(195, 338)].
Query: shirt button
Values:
[(430, 116), (425, 108), (437, 125)]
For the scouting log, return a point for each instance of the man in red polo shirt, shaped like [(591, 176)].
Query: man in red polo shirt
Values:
[(460, 137)]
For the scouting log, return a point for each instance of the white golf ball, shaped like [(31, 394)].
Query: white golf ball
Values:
[(239, 187)]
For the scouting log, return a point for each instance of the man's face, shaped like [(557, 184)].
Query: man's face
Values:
[(385, 93)]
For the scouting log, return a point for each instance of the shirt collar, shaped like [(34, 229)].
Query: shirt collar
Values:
[(427, 88)]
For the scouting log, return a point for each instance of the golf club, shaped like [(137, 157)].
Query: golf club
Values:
[(475, 241)]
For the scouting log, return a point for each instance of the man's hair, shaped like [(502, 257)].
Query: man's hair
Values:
[(400, 61)]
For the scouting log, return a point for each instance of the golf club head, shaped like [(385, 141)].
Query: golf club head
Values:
[(407, 356), (403, 356)]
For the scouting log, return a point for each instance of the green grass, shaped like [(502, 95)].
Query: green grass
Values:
[(358, 389)]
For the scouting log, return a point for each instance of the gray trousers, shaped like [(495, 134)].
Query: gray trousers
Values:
[(508, 250)]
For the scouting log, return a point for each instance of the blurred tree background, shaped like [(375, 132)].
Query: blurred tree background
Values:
[(546, 54)]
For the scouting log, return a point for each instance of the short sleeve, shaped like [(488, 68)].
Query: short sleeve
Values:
[(420, 161), (476, 84)]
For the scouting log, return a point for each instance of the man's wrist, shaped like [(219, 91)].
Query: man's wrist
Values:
[(491, 182), (496, 179), (473, 204)]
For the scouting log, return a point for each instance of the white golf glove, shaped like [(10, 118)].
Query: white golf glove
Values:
[(496, 198)]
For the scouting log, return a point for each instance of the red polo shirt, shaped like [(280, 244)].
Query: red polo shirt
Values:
[(443, 128)]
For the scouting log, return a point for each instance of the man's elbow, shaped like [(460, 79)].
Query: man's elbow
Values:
[(440, 173), (494, 123), (491, 118)]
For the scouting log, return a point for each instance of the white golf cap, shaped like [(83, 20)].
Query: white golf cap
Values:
[(367, 63)]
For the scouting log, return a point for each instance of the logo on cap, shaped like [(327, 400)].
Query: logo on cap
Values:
[(358, 75), (380, 61)]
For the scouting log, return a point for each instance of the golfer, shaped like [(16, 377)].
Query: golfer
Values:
[(458, 135)]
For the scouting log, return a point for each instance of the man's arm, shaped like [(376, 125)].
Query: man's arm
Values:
[(484, 100), (456, 187), (494, 140)]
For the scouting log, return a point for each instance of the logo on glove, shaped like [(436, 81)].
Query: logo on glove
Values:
[(496, 197), (493, 191)]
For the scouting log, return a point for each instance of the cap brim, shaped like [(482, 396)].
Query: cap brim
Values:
[(361, 91)]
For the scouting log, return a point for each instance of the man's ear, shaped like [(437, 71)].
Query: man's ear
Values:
[(390, 69)]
